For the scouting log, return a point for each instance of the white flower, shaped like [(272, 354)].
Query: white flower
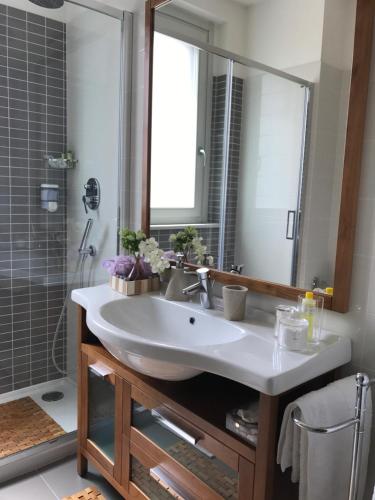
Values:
[(199, 249), (152, 254)]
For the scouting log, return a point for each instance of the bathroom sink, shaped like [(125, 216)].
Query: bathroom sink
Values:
[(178, 340), (155, 321), (159, 321)]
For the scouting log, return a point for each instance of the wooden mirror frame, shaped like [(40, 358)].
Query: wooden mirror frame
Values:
[(362, 52)]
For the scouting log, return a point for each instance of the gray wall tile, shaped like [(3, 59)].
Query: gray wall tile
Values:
[(30, 300)]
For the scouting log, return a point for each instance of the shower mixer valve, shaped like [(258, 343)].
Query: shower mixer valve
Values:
[(91, 198)]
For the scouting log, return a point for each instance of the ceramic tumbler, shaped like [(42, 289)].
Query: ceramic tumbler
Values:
[(234, 302)]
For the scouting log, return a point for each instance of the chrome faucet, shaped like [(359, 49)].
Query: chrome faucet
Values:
[(203, 286), (236, 268)]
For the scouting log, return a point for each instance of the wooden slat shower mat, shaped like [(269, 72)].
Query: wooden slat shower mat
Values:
[(86, 494), (24, 424)]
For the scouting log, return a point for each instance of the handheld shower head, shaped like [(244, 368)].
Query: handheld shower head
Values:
[(48, 4)]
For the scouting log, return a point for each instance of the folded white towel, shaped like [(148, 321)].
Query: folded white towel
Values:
[(321, 462)]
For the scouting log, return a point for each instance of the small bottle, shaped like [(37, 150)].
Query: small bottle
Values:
[(308, 305), (293, 332)]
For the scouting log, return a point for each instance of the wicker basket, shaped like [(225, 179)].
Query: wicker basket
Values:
[(135, 287)]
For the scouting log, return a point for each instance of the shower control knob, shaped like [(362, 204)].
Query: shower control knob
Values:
[(91, 199)]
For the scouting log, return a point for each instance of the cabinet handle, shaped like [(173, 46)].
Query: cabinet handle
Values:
[(100, 370), (180, 432), (168, 484), (174, 428)]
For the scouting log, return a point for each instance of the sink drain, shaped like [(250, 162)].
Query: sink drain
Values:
[(52, 396)]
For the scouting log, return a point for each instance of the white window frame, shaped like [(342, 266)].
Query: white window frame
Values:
[(178, 22)]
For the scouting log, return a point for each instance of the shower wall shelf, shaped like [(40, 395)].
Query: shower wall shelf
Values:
[(60, 163)]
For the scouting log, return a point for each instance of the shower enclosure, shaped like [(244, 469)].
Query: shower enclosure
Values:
[(63, 78)]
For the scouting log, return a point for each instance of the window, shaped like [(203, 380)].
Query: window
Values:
[(178, 176)]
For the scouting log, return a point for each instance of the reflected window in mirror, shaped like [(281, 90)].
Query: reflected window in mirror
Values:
[(176, 83), (179, 113)]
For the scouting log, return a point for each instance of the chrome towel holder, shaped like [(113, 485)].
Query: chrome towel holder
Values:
[(358, 421)]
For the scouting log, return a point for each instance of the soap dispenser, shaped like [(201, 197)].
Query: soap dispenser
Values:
[(177, 281)]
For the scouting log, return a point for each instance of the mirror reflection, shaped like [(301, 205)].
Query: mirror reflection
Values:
[(248, 132)]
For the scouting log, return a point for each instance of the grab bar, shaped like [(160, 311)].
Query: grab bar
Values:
[(358, 421)]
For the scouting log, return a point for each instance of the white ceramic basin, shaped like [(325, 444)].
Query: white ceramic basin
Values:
[(158, 322), (176, 341), (162, 322)]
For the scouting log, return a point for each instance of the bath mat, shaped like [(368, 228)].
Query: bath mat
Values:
[(86, 494), (24, 424)]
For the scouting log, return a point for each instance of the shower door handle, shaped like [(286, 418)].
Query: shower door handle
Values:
[(202, 152), (290, 223)]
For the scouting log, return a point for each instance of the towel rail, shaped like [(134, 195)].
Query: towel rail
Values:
[(358, 421)]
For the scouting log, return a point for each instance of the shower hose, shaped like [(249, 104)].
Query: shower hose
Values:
[(79, 268)]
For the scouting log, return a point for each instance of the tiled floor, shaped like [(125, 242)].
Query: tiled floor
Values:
[(55, 482), (64, 412)]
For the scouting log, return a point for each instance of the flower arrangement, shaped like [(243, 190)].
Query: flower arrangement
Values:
[(191, 245), (145, 260), (153, 255)]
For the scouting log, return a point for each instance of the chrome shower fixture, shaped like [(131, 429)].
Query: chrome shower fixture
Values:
[(83, 248), (48, 4)]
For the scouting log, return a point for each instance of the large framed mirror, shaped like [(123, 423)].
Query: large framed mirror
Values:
[(254, 122)]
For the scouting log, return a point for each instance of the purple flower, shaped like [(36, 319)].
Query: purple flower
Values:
[(169, 254), (109, 266), (122, 265)]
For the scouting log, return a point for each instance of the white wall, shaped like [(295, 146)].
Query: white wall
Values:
[(229, 18), (324, 173), (285, 33)]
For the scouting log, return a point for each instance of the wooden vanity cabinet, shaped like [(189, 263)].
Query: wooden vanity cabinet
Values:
[(153, 439)]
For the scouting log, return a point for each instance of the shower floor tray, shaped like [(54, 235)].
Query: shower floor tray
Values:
[(63, 411)]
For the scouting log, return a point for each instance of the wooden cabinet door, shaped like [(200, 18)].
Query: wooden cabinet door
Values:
[(101, 410)]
